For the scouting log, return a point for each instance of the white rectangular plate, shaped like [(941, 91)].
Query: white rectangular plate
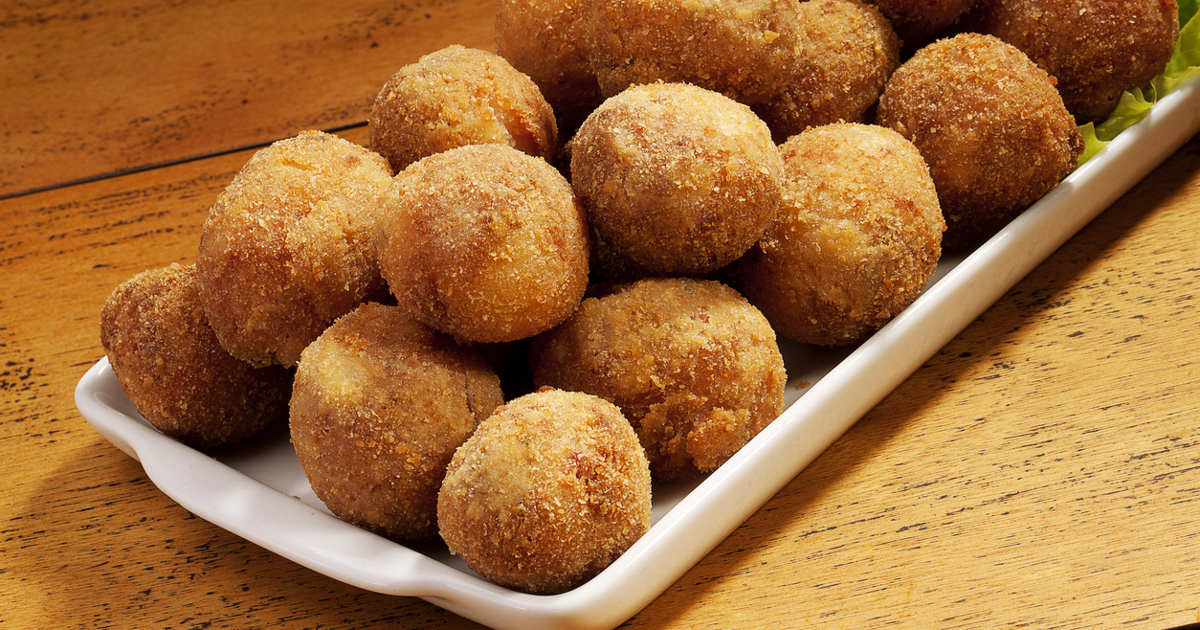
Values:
[(261, 494)]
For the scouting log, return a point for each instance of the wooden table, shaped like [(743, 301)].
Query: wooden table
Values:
[(1043, 468)]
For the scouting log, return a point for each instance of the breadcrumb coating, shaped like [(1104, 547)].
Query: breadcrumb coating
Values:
[(379, 405), (545, 40), (286, 248), (171, 366), (859, 237), (692, 364), (1096, 49), (676, 178), (485, 243), (919, 21), (844, 54), (547, 493), (458, 96), (796, 63), (739, 48), (989, 123)]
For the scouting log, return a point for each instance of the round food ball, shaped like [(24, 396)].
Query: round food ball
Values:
[(286, 248), (485, 243), (796, 63), (844, 54), (740, 49), (990, 125), (455, 97), (919, 21), (379, 404), (676, 178), (859, 236), (547, 493), (545, 40), (691, 363), (1095, 48), (171, 366)]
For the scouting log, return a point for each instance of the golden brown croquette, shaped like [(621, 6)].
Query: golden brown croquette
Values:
[(917, 22), (379, 404), (544, 39), (676, 178), (547, 493), (795, 63), (691, 363), (859, 236), (990, 125), (485, 243), (286, 248), (171, 366), (844, 54), (458, 96), (1095, 48)]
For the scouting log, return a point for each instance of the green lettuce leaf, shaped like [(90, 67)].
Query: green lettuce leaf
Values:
[(1136, 103)]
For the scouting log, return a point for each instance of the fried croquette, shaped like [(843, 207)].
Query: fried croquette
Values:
[(1095, 48), (736, 48), (695, 368), (917, 22), (547, 493), (676, 178), (844, 54), (859, 236), (458, 96), (286, 248), (544, 39), (795, 63), (485, 243), (990, 125), (171, 366), (379, 404)]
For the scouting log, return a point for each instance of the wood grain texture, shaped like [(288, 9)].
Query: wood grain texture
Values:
[(89, 89)]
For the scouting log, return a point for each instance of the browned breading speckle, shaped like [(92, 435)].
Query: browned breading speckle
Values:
[(379, 404), (458, 96), (286, 248), (990, 125), (859, 236), (484, 242), (171, 366), (544, 39), (796, 63), (691, 363), (740, 49), (676, 178), (548, 492), (1095, 48), (844, 54), (919, 21)]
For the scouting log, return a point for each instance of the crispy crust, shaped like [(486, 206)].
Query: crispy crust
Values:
[(485, 243), (171, 366), (1095, 48), (286, 248), (676, 178), (990, 125), (379, 404), (545, 40), (548, 491), (919, 21), (458, 96), (844, 55), (858, 239), (691, 363)]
